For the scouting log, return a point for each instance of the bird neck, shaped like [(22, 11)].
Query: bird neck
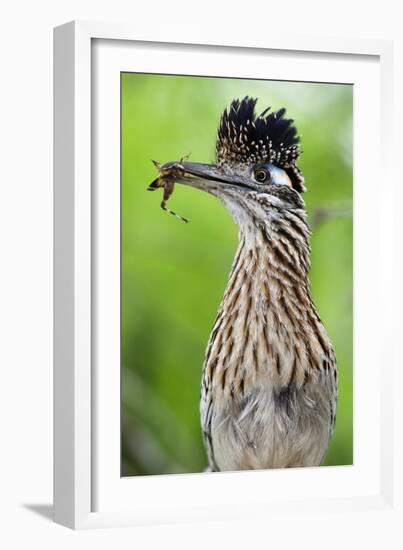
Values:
[(266, 303), (277, 250), (267, 330)]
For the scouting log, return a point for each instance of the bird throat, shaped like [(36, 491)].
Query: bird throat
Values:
[(267, 330)]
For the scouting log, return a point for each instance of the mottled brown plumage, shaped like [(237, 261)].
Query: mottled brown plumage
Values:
[(269, 385), (269, 380)]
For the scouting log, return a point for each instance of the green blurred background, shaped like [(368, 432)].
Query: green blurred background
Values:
[(174, 274)]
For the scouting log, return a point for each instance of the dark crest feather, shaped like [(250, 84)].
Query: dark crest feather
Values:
[(246, 138)]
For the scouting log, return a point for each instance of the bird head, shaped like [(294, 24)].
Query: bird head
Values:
[(255, 174)]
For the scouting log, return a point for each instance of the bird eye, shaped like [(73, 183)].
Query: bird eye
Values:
[(261, 175)]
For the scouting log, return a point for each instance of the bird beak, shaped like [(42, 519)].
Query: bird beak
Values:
[(206, 177)]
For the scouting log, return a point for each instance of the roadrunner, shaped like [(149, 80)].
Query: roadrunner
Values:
[(269, 385)]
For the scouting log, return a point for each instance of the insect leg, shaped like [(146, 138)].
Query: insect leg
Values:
[(164, 207)]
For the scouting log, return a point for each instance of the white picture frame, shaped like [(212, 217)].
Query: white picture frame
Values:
[(88, 490)]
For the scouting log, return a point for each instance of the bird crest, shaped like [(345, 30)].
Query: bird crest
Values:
[(244, 138)]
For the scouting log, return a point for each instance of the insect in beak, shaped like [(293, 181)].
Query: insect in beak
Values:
[(166, 180)]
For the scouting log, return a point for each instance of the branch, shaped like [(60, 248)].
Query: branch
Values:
[(322, 214)]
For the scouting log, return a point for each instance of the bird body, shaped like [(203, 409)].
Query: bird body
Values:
[(269, 384)]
